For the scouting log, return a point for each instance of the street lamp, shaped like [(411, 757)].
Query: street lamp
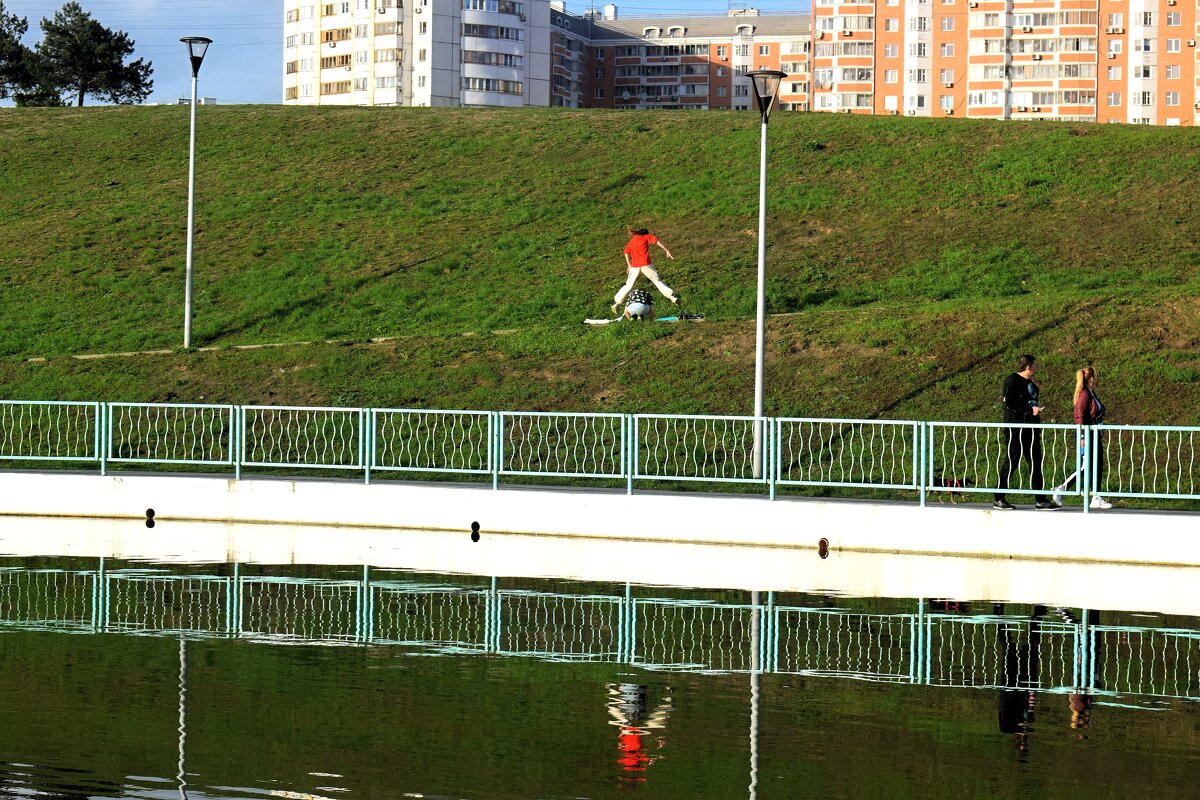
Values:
[(197, 46), (766, 86)]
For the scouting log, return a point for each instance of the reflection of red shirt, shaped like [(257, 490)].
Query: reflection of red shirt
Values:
[(639, 249), (633, 756)]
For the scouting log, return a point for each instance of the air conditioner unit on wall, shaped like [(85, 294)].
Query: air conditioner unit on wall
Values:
[(1037, 56), (1112, 55), (949, 111), (894, 112), (1035, 109), (847, 33), (1028, 29), (948, 85), (1191, 42)]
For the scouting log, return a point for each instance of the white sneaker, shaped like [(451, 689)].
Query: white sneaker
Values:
[(1100, 502)]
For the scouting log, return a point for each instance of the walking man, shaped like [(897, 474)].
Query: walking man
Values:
[(1021, 406), (637, 262)]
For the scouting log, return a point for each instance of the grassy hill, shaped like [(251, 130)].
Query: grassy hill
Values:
[(909, 261)]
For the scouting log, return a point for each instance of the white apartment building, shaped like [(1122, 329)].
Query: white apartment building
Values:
[(417, 52)]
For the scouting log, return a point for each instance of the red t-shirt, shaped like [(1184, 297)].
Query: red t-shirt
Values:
[(639, 249)]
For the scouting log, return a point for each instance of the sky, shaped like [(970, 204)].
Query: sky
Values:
[(245, 62)]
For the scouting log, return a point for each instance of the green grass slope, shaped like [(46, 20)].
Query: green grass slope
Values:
[(909, 261)]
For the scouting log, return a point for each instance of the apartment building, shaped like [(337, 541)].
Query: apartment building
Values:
[(695, 62), (417, 52), (1088, 60), (1129, 61)]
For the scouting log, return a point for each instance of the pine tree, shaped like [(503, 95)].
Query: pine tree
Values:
[(78, 56)]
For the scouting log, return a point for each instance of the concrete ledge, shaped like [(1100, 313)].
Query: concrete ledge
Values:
[(1117, 536)]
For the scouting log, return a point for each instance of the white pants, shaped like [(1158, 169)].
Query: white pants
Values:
[(650, 273)]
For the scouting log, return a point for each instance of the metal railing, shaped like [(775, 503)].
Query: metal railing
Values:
[(1048, 650), (926, 459)]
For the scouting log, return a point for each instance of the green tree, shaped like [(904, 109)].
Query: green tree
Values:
[(15, 58), (79, 56)]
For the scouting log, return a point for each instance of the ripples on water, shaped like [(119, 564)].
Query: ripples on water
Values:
[(287, 682)]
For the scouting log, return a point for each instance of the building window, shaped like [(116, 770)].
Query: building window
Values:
[(360, 84), (421, 54), (423, 27), (722, 51), (722, 72), (600, 73), (891, 76), (946, 101), (385, 82), (1173, 71), (292, 66), (1172, 98), (742, 50), (764, 49), (421, 81), (946, 76), (1114, 45), (308, 38), (1148, 18), (1173, 45), (361, 31), (722, 91), (1144, 45), (1114, 73), (1116, 20), (291, 41), (494, 85), (918, 50), (892, 24), (947, 49), (1173, 19), (599, 54), (741, 91), (918, 76), (891, 50), (598, 93), (1143, 71), (387, 54), (1143, 98), (290, 93), (337, 87), (1114, 99), (947, 23)]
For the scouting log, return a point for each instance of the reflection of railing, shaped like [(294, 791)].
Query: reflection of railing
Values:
[(1041, 651), (847, 454)]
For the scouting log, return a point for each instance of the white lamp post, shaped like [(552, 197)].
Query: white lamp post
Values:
[(197, 46), (766, 86)]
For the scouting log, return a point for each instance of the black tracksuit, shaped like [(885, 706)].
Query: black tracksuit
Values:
[(1020, 397)]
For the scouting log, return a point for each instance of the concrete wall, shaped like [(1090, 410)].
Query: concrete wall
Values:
[(1115, 536)]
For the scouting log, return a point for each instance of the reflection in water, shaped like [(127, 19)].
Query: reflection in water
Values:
[(641, 732), (1045, 671), (182, 774)]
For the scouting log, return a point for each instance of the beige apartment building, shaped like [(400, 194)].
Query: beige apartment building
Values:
[(1085, 60)]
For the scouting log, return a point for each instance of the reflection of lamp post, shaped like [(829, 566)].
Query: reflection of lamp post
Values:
[(756, 666), (197, 46), (766, 86)]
